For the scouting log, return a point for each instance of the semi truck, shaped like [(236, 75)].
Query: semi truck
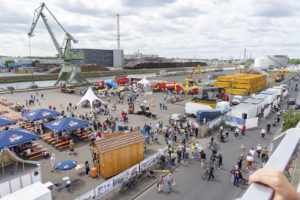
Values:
[(158, 87)]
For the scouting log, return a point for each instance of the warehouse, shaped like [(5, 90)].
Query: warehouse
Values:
[(106, 58)]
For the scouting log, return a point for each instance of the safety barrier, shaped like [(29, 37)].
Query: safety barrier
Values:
[(114, 183), (211, 126), (285, 150)]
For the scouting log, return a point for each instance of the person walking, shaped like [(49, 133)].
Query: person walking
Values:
[(236, 132), (220, 161), (71, 147), (236, 177), (160, 184), (87, 167), (240, 163), (179, 155), (268, 127), (170, 182), (221, 129), (263, 133), (211, 172), (258, 150), (52, 162), (250, 159), (242, 150), (169, 160), (227, 136)]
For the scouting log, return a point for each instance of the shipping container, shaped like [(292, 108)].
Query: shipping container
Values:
[(207, 115)]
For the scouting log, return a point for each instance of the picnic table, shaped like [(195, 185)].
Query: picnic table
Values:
[(35, 154), (13, 116)]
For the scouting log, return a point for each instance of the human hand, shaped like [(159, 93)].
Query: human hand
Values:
[(275, 179)]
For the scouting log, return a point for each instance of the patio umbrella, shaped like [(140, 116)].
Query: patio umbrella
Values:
[(17, 136), (5, 121), (66, 124), (41, 114), (66, 165)]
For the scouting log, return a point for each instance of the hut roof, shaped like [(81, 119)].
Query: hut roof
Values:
[(122, 140)]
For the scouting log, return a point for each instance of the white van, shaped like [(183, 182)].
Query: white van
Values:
[(192, 108)]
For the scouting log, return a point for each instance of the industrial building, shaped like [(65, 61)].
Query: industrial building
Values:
[(271, 61), (106, 58)]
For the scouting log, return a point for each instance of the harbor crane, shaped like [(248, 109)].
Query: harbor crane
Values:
[(68, 72)]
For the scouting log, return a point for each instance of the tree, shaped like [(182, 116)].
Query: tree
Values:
[(8, 61), (291, 119)]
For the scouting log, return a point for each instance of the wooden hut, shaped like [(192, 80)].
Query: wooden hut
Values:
[(118, 152)]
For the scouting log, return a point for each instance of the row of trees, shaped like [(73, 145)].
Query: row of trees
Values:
[(291, 119)]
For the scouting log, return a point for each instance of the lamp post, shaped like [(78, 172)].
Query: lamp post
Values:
[(230, 91)]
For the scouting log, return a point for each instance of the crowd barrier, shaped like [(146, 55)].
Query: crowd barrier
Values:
[(116, 182)]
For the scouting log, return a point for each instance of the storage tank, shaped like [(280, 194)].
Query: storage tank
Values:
[(268, 61)]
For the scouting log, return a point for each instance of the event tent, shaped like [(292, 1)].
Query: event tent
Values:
[(5, 121), (14, 137), (89, 96), (144, 82), (41, 114), (66, 124)]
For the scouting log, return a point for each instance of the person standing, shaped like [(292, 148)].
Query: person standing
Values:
[(170, 182), (87, 167), (236, 132), (232, 173), (52, 162), (242, 150), (249, 161), (179, 154), (240, 163), (162, 160), (268, 127), (244, 129), (227, 136), (221, 129), (160, 184), (263, 133)]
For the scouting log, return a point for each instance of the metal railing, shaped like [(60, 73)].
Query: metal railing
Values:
[(283, 153)]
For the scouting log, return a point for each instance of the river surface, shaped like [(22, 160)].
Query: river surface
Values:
[(23, 85)]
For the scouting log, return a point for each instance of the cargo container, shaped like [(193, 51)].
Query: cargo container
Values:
[(121, 80), (207, 115), (157, 87)]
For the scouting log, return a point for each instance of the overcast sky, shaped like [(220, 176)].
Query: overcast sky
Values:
[(170, 28)]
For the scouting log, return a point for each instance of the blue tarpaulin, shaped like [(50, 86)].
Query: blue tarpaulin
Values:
[(66, 124), (66, 165), (41, 114), (16, 137), (5, 121)]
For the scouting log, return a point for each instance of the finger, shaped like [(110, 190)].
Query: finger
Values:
[(266, 176)]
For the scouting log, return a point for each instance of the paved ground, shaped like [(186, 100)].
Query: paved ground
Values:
[(60, 100), (189, 184)]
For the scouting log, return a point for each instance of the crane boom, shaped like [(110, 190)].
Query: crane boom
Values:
[(63, 52)]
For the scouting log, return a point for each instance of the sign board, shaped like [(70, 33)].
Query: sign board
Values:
[(125, 176)]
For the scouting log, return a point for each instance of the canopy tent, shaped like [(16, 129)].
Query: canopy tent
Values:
[(14, 137), (66, 124), (66, 165), (5, 121), (41, 114), (144, 82), (89, 96)]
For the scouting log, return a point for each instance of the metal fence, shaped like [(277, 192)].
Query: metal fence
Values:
[(284, 153)]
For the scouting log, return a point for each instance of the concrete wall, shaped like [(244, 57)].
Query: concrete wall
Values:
[(118, 58)]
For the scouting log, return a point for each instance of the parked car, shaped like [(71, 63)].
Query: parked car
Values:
[(177, 118), (237, 99), (291, 101), (297, 108), (218, 69)]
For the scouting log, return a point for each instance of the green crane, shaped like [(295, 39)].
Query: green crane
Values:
[(64, 52)]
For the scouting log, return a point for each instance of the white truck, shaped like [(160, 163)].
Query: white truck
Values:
[(192, 108)]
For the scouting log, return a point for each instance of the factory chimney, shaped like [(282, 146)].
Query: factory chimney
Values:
[(118, 32)]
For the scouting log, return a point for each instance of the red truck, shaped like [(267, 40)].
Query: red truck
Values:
[(98, 85), (157, 87), (121, 80)]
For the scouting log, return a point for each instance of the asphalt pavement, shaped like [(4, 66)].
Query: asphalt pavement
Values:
[(190, 186)]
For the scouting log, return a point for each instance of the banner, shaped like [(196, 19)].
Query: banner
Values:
[(215, 122), (125, 176), (234, 120), (87, 196), (152, 160), (104, 188)]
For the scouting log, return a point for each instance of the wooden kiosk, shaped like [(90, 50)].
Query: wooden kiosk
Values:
[(118, 152)]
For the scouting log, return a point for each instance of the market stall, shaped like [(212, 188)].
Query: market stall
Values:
[(117, 153)]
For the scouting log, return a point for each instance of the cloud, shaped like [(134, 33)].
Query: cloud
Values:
[(170, 28)]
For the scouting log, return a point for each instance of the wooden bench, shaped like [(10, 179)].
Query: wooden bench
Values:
[(51, 140), (84, 137), (45, 135), (33, 154), (37, 156), (56, 142), (62, 144), (65, 146)]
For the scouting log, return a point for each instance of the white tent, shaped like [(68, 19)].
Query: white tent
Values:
[(144, 82), (89, 96)]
